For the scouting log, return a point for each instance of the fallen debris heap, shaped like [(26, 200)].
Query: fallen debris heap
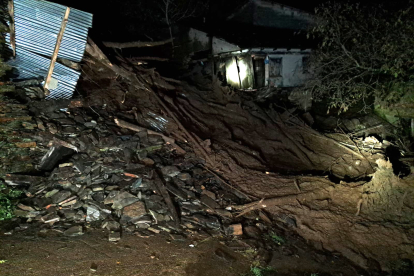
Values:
[(219, 162), (104, 176)]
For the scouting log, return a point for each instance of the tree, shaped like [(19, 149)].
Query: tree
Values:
[(177, 10), (364, 52)]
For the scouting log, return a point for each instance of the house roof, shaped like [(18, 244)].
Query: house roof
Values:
[(263, 24), (254, 37), (223, 9), (266, 13)]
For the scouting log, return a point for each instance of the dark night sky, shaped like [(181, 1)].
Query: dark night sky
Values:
[(95, 5), (126, 20)]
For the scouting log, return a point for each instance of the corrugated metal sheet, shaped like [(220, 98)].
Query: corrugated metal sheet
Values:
[(37, 26), (30, 65)]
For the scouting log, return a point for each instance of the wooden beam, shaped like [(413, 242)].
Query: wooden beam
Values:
[(238, 71), (12, 27), (136, 44), (161, 187), (56, 51)]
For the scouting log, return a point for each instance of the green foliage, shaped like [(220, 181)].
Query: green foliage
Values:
[(3, 261), (260, 271), (7, 200), (277, 239), (402, 267), (3, 69), (364, 52)]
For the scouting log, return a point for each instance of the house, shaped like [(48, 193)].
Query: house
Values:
[(260, 44), (264, 67)]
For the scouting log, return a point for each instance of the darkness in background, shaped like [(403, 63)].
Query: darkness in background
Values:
[(143, 20), (129, 20)]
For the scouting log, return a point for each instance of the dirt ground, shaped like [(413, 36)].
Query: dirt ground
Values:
[(52, 255)]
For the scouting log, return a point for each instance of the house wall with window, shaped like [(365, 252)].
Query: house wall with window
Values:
[(250, 69), (197, 41), (286, 70)]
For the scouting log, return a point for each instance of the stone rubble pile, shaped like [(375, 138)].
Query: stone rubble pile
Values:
[(94, 174)]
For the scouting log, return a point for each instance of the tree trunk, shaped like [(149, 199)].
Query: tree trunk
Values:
[(167, 6)]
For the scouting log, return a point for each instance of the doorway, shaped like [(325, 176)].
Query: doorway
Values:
[(259, 71)]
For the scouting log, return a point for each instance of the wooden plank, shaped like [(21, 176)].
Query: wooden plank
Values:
[(12, 27), (253, 73), (160, 184), (238, 72), (136, 44), (56, 51)]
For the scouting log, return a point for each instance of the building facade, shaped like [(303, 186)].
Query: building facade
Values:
[(258, 46)]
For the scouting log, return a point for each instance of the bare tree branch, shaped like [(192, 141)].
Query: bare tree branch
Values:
[(136, 44)]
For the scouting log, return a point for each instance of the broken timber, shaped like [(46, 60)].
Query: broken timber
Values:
[(56, 51), (159, 182), (136, 44), (12, 27), (133, 127), (94, 51)]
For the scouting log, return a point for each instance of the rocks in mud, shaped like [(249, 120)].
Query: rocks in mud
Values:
[(74, 231), (133, 212), (209, 222), (94, 267), (60, 196), (56, 153), (111, 225), (25, 214), (123, 202), (170, 171), (252, 232), (25, 208), (209, 202), (235, 229), (184, 176), (114, 237), (92, 214)]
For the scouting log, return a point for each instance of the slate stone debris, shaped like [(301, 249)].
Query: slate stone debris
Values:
[(94, 174), (114, 236), (94, 267), (74, 231), (235, 229)]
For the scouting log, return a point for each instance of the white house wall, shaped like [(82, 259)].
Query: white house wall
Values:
[(222, 46), (200, 41), (292, 70)]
